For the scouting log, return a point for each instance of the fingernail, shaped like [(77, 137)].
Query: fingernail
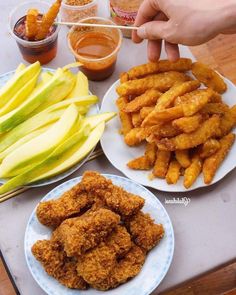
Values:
[(142, 32)]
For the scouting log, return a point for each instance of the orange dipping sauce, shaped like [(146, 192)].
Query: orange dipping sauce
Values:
[(95, 49)]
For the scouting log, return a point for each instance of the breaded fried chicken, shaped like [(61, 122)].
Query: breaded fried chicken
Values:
[(56, 264), (114, 197), (128, 267), (80, 234), (144, 232), (95, 265), (52, 213)]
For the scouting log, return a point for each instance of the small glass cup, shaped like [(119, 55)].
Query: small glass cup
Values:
[(44, 50), (95, 69), (74, 13)]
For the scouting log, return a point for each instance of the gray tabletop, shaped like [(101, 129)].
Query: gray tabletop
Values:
[(204, 229)]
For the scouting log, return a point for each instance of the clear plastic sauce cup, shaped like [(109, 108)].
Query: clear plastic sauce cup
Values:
[(43, 50), (96, 48)]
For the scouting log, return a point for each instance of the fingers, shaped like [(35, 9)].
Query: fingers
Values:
[(154, 49), (153, 30), (172, 51), (147, 11)]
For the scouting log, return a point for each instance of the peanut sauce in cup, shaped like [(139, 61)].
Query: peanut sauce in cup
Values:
[(96, 48)]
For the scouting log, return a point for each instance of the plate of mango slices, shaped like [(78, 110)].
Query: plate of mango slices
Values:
[(49, 124), (176, 126)]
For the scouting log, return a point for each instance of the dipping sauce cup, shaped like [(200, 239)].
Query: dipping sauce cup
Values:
[(95, 47), (43, 50)]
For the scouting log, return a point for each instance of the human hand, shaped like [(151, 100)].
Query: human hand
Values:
[(182, 22)]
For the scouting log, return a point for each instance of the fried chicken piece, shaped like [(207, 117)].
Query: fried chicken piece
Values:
[(53, 259), (212, 163), (209, 77), (115, 197), (95, 265), (162, 82), (128, 267), (181, 65), (193, 139), (79, 234), (144, 232), (52, 213)]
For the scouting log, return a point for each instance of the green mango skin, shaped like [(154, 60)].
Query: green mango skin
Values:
[(20, 96), (57, 87), (38, 169), (38, 148), (18, 80)]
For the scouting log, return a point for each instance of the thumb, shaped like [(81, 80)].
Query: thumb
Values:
[(153, 30)]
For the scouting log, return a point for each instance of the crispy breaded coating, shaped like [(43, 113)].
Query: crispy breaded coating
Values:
[(48, 20), (145, 111), (215, 108), (80, 234), (190, 140), (124, 77), (209, 77), (188, 124), (181, 65), (212, 163), (173, 173), (148, 98), (209, 148), (146, 161), (162, 163), (52, 213), (191, 173), (128, 267), (162, 82), (178, 89), (136, 119), (115, 197), (227, 122), (133, 137), (144, 232), (95, 265), (53, 259), (123, 202), (125, 118), (182, 156), (31, 25)]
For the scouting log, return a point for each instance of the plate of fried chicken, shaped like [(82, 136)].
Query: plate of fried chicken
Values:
[(99, 232)]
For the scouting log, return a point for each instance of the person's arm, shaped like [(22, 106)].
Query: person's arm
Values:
[(182, 22)]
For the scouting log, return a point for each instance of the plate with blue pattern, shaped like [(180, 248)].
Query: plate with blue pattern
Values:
[(94, 109), (154, 269)]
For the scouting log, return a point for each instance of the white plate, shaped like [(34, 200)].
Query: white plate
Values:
[(119, 154), (93, 110), (155, 267)]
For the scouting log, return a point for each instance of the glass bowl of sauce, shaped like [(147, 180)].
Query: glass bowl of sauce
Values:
[(43, 50), (95, 47)]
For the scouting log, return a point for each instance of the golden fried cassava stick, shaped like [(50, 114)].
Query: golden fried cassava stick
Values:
[(182, 156), (161, 164), (173, 172), (31, 25), (126, 120), (192, 172), (209, 148)]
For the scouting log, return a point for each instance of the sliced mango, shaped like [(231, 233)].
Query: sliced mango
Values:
[(36, 170), (94, 120), (20, 96), (20, 68), (28, 126), (23, 140), (38, 148), (46, 76), (78, 152), (17, 82), (56, 89), (52, 99), (81, 87)]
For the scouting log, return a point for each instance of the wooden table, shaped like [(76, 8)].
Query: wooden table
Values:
[(220, 54)]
